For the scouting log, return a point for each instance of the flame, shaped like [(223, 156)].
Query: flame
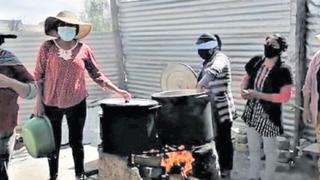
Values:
[(182, 158)]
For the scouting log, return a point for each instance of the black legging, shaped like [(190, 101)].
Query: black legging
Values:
[(76, 116), (224, 145)]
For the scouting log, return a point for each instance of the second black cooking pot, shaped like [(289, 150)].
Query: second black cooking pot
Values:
[(185, 117)]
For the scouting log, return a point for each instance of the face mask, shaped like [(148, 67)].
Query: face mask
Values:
[(206, 54), (67, 33), (271, 52)]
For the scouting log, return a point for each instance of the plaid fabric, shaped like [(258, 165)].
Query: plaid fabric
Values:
[(255, 116)]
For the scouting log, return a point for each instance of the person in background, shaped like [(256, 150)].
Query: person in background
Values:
[(311, 89), (60, 70), (266, 84), (15, 81), (215, 76)]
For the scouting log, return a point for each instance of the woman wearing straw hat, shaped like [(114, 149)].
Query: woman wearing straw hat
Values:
[(15, 81), (60, 67)]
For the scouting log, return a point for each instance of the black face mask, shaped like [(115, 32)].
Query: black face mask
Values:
[(206, 54), (271, 52)]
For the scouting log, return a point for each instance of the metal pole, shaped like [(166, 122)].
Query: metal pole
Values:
[(298, 55), (118, 44)]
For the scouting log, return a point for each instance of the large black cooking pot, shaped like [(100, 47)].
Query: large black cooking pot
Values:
[(185, 117), (128, 127)]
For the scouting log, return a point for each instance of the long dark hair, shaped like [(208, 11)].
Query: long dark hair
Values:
[(219, 41)]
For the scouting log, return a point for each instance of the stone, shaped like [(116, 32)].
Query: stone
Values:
[(114, 167), (241, 147), (284, 156), (242, 139), (283, 143)]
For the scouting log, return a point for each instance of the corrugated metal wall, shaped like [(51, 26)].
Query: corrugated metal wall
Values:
[(158, 32), (312, 44), (26, 48)]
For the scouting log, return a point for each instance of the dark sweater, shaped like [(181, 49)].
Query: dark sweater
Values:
[(279, 76)]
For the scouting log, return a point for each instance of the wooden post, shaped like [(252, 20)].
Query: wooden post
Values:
[(298, 55), (118, 45)]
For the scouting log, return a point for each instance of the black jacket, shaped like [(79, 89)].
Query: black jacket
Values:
[(279, 76)]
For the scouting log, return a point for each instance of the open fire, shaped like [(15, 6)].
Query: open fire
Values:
[(178, 161), (182, 160)]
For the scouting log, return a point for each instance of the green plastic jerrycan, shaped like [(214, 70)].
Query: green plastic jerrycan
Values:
[(38, 136)]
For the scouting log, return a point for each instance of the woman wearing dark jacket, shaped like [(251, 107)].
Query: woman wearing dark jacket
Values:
[(266, 85)]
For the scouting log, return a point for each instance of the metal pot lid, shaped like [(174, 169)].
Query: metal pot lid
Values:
[(179, 93), (131, 103), (178, 76)]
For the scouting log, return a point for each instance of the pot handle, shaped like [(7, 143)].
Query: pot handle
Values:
[(155, 107), (202, 96)]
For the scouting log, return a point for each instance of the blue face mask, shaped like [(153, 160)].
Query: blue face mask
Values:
[(67, 33)]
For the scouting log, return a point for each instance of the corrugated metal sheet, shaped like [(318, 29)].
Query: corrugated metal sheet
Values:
[(312, 44), (26, 48), (158, 32)]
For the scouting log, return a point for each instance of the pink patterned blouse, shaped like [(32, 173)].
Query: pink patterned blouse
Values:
[(64, 80)]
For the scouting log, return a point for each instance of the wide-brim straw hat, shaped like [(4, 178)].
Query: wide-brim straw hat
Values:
[(67, 17)]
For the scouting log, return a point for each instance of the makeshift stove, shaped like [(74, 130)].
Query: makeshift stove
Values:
[(164, 138), (171, 162)]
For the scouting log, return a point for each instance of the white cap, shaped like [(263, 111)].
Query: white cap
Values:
[(207, 45)]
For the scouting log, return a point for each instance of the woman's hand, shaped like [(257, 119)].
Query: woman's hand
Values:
[(201, 88), (124, 94), (38, 109), (250, 94), (245, 94), (307, 118)]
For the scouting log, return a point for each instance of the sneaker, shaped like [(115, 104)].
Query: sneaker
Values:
[(53, 178), (81, 177), (225, 173)]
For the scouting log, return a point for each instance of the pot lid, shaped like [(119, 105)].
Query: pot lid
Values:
[(178, 93), (132, 102), (178, 76)]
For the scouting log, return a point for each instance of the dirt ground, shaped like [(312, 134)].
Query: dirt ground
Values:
[(24, 167)]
